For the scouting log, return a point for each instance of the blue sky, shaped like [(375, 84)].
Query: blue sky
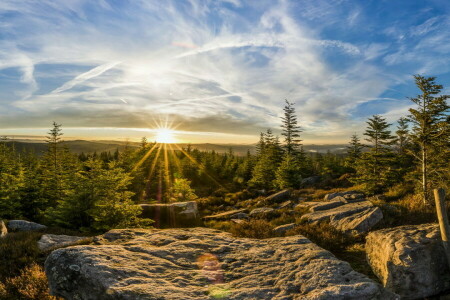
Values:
[(218, 71)]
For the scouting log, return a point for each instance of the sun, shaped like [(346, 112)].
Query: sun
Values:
[(165, 136)]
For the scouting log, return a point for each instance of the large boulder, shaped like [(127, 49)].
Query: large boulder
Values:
[(313, 206), (282, 229), (178, 214), (354, 218), (51, 241), (3, 229), (409, 260), (349, 195), (310, 181), (21, 225), (202, 263), (262, 212)]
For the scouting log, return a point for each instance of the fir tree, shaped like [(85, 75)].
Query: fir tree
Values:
[(288, 173), (290, 129), (430, 126), (402, 133), (354, 150)]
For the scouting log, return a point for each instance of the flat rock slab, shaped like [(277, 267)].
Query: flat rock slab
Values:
[(261, 212), (278, 197), (202, 263), (338, 212), (319, 205), (225, 215), (409, 260), (21, 225), (358, 223), (50, 241)]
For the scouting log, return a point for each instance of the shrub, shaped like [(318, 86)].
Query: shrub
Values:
[(31, 284), (258, 229), (399, 191)]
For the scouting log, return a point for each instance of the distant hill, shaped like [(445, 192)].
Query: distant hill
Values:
[(79, 146)]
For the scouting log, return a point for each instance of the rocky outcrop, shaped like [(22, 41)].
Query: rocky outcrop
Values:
[(178, 214), (278, 197), (349, 195), (310, 181), (409, 260), (313, 206), (51, 241), (282, 229), (355, 218), (3, 229), (226, 215), (21, 225), (262, 212), (201, 263)]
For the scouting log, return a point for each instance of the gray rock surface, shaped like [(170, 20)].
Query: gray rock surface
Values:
[(409, 260), (21, 225), (3, 229), (283, 228), (286, 204), (308, 181), (178, 214), (354, 218), (278, 197), (49, 241), (318, 206), (240, 215), (261, 212), (347, 195), (225, 215), (201, 263)]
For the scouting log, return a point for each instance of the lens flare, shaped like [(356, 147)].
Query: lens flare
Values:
[(165, 136)]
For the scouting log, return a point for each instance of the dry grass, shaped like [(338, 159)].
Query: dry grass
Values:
[(258, 229), (30, 284)]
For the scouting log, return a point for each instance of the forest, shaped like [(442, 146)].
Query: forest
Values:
[(97, 192)]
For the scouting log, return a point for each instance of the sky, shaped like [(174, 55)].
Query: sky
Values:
[(214, 71)]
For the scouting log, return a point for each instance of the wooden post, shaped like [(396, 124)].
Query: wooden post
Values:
[(439, 197)]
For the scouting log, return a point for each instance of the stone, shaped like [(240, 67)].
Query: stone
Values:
[(3, 229), (278, 197), (238, 221), (347, 195), (358, 223), (21, 225), (283, 228), (261, 212), (409, 260), (317, 206), (51, 241), (309, 181), (240, 215), (202, 263), (225, 215), (178, 214), (338, 212), (286, 204)]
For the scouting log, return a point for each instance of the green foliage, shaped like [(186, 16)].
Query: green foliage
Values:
[(288, 174), (354, 151), (290, 129), (181, 190)]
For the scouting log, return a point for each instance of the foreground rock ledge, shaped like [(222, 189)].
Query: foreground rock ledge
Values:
[(409, 260), (201, 263)]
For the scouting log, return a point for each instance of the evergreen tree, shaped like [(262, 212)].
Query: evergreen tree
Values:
[(288, 174), (402, 133), (11, 182), (181, 190), (290, 129), (354, 150), (430, 126), (375, 169)]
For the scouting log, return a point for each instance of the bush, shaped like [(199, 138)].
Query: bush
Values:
[(399, 191), (325, 236), (258, 229), (31, 284)]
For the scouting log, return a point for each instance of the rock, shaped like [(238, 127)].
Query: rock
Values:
[(358, 223), (238, 221), (338, 212), (202, 263), (278, 197), (178, 214), (240, 215), (286, 204), (261, 212), (409, 260), (21, 225), (309, 181), (283, 228), (349, 195), (317, 206), (3, 229), (49, 241), (225, 215)]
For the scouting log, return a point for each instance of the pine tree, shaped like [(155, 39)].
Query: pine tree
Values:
[(181, 191), (290, 129), (354, 150), (375, 169), (402, 133), (430, 125), (288, 174)]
